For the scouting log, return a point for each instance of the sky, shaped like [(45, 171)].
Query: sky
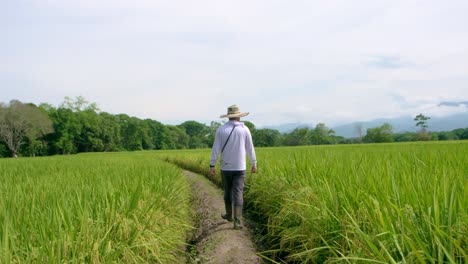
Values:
[(333, 62)]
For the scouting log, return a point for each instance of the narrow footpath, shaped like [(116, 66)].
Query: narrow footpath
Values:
[(217, 241)]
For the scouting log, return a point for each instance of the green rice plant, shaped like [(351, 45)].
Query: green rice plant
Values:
[(99, 208), (193, 160), (373, 203), (390, 204)]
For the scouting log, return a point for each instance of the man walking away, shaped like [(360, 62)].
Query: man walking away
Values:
[(233, 140)]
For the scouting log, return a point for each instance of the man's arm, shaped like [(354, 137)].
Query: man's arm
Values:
[(215, 153), (249, 148)]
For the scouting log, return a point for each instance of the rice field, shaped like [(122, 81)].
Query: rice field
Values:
[(93, 208), (383, 203)]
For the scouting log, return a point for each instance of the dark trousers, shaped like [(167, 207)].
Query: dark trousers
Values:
[(233, 186)]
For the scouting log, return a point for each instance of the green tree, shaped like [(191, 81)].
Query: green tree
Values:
[(458, 132), (464, 135), (159, 134), (67, 129), (214, 125), (89, 139), (421, 121), (446, 136), (266, 137), (198, 133), (20, 122), (79, 104), (322, 135), (178, 138), (380, 134), (298, 137), (4, 150), (110, 132), (404, 137), (78, 127), (135, 133)]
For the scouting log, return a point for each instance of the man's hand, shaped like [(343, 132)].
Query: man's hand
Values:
[(254, 169), (212, 171)]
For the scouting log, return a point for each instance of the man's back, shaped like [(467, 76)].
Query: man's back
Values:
[(236, 139)]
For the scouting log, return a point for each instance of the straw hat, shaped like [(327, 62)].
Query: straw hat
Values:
[(234, 111)]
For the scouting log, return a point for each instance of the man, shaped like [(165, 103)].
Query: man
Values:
[(233, 140)]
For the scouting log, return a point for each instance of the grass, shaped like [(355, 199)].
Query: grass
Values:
[(383, 203), (99, 208)]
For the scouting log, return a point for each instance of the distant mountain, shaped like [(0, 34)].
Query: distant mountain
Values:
[(400, 124), (405, 124)]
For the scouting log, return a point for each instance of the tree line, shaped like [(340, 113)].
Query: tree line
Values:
[(79, 126)]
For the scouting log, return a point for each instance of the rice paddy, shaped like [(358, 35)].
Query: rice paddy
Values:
[(92, 208), (382, 203)]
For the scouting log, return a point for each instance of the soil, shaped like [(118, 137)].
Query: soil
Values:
[(215, 240)]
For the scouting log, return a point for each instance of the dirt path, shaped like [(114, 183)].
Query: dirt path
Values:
[(218, 242)]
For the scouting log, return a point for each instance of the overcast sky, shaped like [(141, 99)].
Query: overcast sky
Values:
[(283, 61)]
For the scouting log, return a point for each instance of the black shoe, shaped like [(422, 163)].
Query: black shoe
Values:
[(227, 217)]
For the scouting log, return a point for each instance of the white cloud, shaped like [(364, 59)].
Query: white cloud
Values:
[(305, 61)]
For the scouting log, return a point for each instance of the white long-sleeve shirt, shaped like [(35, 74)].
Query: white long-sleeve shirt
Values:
[(240, 143)]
